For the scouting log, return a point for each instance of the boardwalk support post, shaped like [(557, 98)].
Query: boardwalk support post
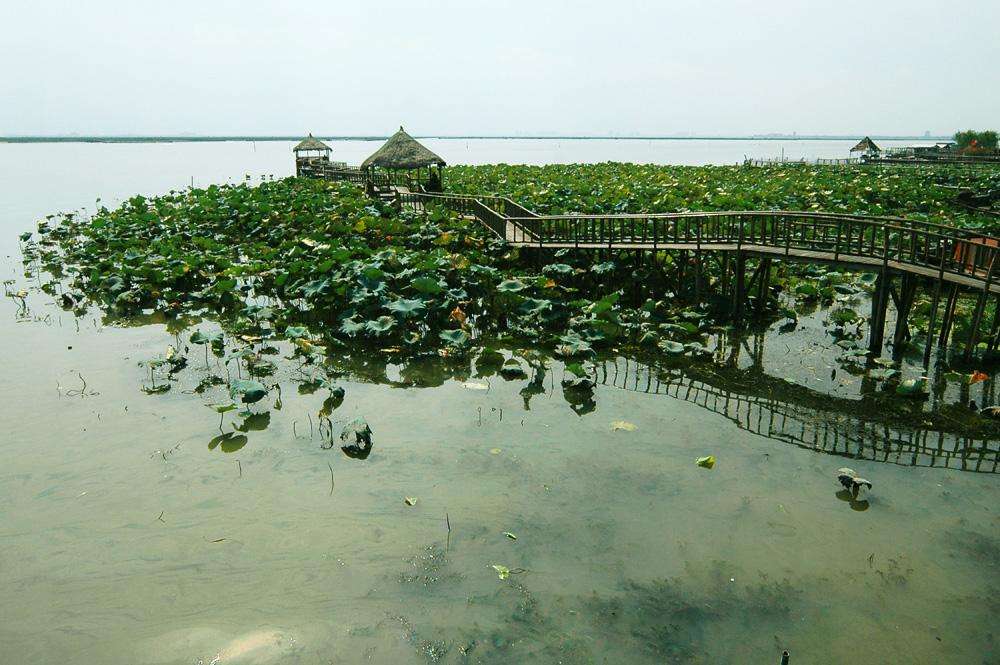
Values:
[(740, 288), (949, 317), (977, 318), (907, 294), (763, 284), (880, 304)]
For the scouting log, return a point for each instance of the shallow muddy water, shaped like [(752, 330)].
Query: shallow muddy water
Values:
[(131, 534)]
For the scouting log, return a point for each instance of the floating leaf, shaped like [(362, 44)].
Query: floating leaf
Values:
[(706, 462), (472, 385), (249, 390), (410, 500), (622, 426), (510, 535), (503, 572)]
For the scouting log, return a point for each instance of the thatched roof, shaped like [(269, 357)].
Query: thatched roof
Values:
[(309, 143), (402, 151), (866, 145)]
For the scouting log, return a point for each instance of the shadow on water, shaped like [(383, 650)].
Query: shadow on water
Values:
[(737, 384)]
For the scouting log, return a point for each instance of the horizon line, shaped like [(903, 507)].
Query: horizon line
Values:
[(194, 138)]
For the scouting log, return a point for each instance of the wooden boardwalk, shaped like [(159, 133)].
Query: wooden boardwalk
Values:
[(947, 260)]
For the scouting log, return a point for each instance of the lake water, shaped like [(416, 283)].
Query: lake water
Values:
[(129, 534)]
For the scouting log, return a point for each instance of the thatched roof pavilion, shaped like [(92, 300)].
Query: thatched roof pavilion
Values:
[(402, 152), (867, 146), (311, 143), (310, 150)]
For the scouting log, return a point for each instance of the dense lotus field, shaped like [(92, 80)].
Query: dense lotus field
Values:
[(927, 193), (294, 254)]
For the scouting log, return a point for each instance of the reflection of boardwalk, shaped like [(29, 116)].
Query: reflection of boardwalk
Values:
[(832, 432)]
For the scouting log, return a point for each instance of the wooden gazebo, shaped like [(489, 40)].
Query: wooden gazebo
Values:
[(403, 154), (867, 148), (309, 151)]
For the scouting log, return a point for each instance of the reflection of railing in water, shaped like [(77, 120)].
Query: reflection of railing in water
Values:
[(831, 432)]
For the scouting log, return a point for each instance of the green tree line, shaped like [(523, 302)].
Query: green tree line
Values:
[(972, 141)]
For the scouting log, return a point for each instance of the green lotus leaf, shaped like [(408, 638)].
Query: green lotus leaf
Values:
[(406, 307), (381, 325), (350, 327), (296, 332), (456, 337), (511, 286), (248, 390), (670, 346), (427, 285)]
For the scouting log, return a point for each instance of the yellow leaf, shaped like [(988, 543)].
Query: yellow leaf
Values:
[(623, 426), (707, 462)]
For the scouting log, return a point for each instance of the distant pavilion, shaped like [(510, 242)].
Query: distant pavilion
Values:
[(867, 148), (310, 151)]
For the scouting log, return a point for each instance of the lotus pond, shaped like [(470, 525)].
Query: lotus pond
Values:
[(176, 487)]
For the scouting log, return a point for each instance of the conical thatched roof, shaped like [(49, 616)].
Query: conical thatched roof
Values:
[(309, 143), (402, 151), (866, 145)]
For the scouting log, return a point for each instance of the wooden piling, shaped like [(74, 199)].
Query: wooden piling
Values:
[(904, 304), (739, 290), (763, 284), (880, 304), (949, 316), (930, 325)]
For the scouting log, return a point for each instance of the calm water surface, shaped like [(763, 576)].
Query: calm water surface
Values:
[(127, 536)]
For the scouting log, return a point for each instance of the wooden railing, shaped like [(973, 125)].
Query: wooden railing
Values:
[(920, 247)]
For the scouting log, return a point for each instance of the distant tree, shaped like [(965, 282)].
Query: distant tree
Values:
[(965, 139), (973, 141)]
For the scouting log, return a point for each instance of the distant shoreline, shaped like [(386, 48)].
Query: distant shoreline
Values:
[(247, 139)]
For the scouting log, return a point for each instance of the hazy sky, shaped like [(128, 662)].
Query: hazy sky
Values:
[(469, 67)]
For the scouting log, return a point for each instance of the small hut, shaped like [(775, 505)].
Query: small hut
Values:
[(406, 162), (867, 148), (310, 151)]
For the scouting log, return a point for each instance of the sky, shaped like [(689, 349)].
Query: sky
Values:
[(465, 67)]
